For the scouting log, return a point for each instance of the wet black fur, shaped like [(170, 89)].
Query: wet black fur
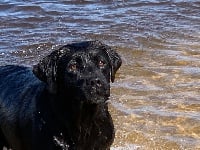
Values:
[(61, 102)]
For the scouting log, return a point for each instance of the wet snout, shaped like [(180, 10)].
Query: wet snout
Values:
[(94, 83), (95, 89)]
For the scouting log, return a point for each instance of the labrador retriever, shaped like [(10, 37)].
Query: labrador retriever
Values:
[(60, 104)]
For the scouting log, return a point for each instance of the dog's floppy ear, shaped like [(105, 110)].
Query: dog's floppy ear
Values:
[(115, 61), (46, 69)]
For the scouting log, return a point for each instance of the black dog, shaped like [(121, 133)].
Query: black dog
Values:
[(61, 104)]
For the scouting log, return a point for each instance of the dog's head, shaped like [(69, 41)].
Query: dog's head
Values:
[(80, 70)]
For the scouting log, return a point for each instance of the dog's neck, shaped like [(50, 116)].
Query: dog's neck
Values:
[(80, 121), (76, 112)]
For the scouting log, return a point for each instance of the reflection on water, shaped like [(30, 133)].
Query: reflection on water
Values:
[(155, 99)]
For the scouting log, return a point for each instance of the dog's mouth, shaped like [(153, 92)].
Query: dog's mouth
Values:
[(95, 96), (91, 95), (97, 99), (92, 90)]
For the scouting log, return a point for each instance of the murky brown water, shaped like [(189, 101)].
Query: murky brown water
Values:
[(156, 97)]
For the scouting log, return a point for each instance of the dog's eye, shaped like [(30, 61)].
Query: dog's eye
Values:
[(73, 67), (101, 64)]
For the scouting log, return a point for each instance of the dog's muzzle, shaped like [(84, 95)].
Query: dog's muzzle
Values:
[(95, 89)]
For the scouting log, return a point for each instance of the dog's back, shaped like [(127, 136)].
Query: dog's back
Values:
[(16, 82), (17, 85)]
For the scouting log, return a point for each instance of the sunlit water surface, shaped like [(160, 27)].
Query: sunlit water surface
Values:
[(155, 102)]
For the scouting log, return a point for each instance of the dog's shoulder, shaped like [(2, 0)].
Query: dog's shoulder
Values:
[(14, 73), (17, 85), (17, 77)]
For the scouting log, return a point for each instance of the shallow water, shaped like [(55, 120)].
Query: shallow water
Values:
[(155, 99)]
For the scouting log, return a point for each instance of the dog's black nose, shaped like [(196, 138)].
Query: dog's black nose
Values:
[(95, 82)]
